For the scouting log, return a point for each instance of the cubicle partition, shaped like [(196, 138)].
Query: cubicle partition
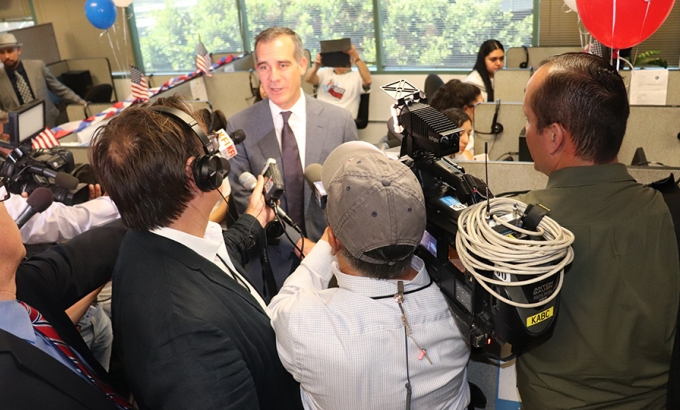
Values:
[(533, 56), (654, 128), (509, 84), (504, 144)]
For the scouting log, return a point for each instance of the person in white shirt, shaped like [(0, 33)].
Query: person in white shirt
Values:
[(385, 337), (341, 86), (490, 59), (60, 222)]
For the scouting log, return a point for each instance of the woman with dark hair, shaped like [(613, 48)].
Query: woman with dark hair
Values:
[(490, 59), (460, 119)]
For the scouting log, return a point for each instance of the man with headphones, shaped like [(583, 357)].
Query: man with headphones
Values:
[(190, 329)]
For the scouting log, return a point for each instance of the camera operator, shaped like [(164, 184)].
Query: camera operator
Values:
[(191, 330), (386, 325), (611, 344)]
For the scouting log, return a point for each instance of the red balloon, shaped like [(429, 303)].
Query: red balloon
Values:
[(622, 24)]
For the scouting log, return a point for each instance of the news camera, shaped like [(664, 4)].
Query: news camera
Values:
[(25, 169), (494, 302)]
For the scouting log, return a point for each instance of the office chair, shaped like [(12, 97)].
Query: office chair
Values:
[(432, 83), (100, 93), (362, 116)]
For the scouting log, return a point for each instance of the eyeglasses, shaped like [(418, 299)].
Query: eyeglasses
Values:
[(3, 187)]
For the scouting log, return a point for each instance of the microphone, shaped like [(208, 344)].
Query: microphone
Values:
[(227, 144), (60, 178), (248, 181), (313, 177), (39, 200)]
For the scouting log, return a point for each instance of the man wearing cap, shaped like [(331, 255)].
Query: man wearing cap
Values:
[(23, 81), (384, 338)]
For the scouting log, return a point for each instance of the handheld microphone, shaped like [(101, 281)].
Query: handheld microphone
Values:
[(60, 178), (313, 177), (38, 201), (273, 182), (227, 144), (249, 181)]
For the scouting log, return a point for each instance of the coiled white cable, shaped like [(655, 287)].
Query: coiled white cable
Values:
[(478, 241)]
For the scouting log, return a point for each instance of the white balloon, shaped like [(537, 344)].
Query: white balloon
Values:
[(570, 3), (125, 3)]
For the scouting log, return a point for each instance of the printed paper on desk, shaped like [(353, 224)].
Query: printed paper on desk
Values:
[(227, 146), (649, 87)]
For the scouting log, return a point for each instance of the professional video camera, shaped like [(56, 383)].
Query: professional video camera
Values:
[(492, 306), (25, 169)]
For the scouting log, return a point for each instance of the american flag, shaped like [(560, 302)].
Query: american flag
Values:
[(203, 60), (45, 139), (140, 90)]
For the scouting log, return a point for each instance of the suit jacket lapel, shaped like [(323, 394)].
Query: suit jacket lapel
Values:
[(52, 372), (7, 88)]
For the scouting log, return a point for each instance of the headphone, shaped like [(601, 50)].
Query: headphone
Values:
[(525, 63), (254, 89), (209, 170), (496, 127)]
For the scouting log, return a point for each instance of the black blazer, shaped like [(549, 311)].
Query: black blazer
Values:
[(51, 282), (191, 337)]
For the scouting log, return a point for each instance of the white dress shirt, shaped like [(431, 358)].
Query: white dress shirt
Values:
[(61, 222), (346, 345), (212, 248), (297, 122)]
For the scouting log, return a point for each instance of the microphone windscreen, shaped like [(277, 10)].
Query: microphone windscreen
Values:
[(313, 174), (67, 181), (248, 180), (40, 199), (238, 136)]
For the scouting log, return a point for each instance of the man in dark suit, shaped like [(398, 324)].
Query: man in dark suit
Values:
[(190, 329), (23, 81), (34, 373), (318, 128)]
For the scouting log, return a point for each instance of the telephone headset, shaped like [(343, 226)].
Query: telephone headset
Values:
[(525, 63), (254, 88), (209, 170), (496, 127)]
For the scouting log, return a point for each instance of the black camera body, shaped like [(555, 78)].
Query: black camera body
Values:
[(486, 322), (25, 169)]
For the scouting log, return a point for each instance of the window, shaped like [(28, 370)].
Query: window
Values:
[(169, 31), (16, 15), (316, 20), (413, 34)]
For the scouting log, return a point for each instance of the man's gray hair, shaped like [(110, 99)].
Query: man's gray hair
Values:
[(273, 33)]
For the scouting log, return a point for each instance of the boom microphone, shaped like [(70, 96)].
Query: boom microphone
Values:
[(60, 178), (249, 181), (39, 200)]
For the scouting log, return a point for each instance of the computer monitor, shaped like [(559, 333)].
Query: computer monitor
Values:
[(24, 123)]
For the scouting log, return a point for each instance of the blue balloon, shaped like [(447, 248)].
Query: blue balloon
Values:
[(101, 13)]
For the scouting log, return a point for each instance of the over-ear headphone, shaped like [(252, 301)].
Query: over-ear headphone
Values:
[(525, 63), (209, 170)]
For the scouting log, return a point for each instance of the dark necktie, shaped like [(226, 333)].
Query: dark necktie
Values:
[(23, 88), (292, 173), (44, 328)]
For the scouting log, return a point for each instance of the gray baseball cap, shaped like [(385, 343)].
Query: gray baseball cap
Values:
[(373, 201), (7, 40)]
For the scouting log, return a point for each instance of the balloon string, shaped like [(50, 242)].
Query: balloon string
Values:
[(118, 52), (125, 41), (613, 25), (644, 20), (115, 57)]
